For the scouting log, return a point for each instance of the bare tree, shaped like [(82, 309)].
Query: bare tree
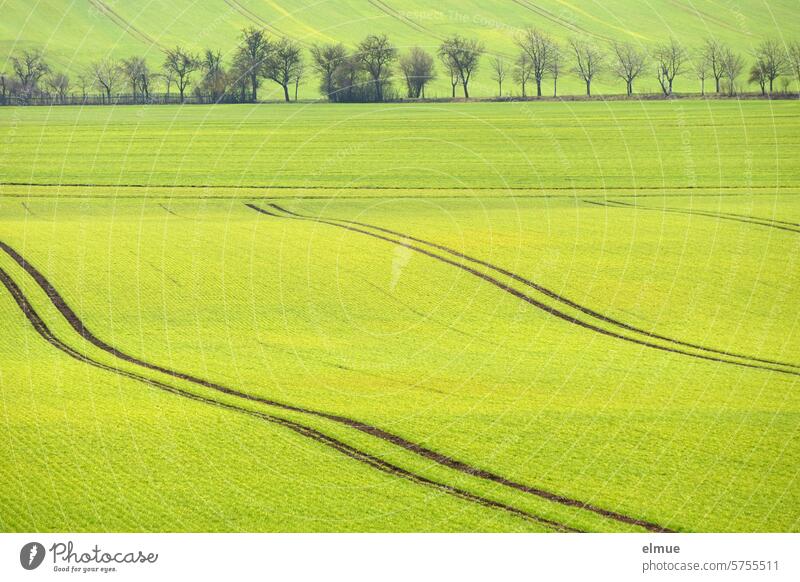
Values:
[(168, 77), (539, 47), (701, 69), (462, 57), (106, 74), (299, 73), (136, 72), (452, 72), (499, 72), (215, 81), (794, 59), (240, 81), (773, 60), (58, 83), (84, 82), (554, 68), (349, 80), (145, 80), (522, 71), (3, 87), (589, 61), (712, 55), (629, 64), (29, 68), (326, 59), (670, 58), (283, 63), (758, 75), (417, 68), (251, 57), (182, 63), (733, 65), (376, 54)]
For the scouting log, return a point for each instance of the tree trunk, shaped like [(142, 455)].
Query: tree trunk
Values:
[(454, 91), (538, 87), (466, 91), (523, 90), (555, 86), (588, 88), (717, 80), (296, 86), (254, 84), (500, 83), (770, 86), (702, 87)]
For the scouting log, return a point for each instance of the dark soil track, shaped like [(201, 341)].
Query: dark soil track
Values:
[(400, 17), (548, 292), (41, 328), (754, 220), (110, 13), (75, 322), (528, 299), (559, 20), (260, 22)]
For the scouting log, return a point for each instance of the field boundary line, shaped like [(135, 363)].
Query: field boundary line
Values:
[(633, 189), (244, 197)]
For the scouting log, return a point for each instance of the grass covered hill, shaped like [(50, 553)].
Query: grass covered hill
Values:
[(77, 32)]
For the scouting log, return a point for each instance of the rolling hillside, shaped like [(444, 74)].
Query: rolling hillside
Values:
[(77, 32)]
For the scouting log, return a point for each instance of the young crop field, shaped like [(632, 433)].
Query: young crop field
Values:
[(454, 317)]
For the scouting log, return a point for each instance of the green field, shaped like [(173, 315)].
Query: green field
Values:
[(460, 317), (87, 30), (388, 150)]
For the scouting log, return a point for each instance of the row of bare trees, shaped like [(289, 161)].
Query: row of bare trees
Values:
[(366, 73), (257, 58), (540, 56)]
